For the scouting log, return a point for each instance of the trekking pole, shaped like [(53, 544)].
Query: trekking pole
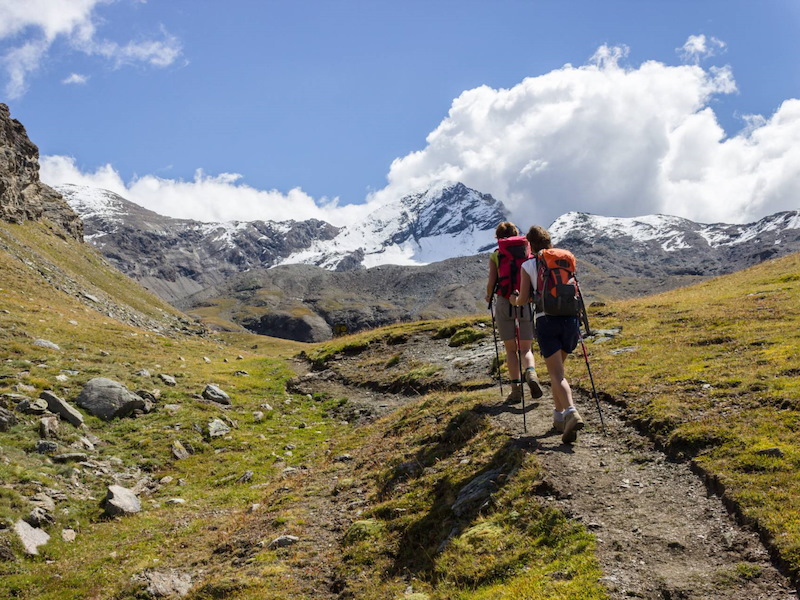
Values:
[(594, 390), (521, 379), (584, 315), (496, 351)]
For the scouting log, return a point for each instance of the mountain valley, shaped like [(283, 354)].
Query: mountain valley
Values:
[(218, 463)]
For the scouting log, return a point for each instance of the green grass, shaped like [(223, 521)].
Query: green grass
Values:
[(711, 371)]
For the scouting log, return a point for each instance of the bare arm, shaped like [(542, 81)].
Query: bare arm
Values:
[(525, 290), (492, 280)]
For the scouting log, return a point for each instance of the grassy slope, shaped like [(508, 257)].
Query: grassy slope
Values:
[(712, 371), (201, 535)]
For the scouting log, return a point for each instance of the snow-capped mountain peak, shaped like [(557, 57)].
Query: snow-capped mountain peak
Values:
[(447, 220)]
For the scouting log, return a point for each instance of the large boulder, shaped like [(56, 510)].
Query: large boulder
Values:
[(108, 399)]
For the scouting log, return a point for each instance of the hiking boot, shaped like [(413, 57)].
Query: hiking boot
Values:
[(515, 397), (533, 383), (558, 426), (572, 424)]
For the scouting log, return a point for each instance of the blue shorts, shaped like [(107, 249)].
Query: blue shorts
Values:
[(556, 333)]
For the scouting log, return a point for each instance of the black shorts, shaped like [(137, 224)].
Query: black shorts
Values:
[(556, 333)]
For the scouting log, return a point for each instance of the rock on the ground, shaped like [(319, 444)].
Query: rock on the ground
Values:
[(476, 493), (218, 428), (31, 537), (48, 427), (7, 419), (215, 394), (120, 501), (168, 379), (108, 399), (283, 541), (46, 344), (164, 584), (62, 408)]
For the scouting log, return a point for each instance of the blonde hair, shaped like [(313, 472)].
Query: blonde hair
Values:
[(506, 229)]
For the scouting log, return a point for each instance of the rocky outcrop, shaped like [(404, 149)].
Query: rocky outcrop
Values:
[(23, 197)]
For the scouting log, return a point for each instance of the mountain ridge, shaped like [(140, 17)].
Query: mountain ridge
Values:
[(226, 272)]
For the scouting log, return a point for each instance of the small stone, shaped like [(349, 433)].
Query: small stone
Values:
[(46, 344), (179, 451), (176, 501), (46, 447), (283, 541), (215, 394), (71, 457), (69, 535), (258, 416), (168, 379)]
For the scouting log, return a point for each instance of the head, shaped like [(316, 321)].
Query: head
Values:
[(538, 238), (506, 229)]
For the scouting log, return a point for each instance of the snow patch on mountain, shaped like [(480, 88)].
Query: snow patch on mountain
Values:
[(445, 221), (668, 231)]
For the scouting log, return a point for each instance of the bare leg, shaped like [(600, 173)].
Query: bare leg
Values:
[(527, 354), (512, 361), (562, 393)]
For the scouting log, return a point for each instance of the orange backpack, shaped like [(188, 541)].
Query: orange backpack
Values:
[(557, 291)]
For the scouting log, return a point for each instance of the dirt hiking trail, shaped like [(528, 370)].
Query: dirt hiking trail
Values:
[(661, 535)]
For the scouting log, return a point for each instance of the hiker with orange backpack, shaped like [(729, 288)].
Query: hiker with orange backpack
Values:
[(548, 279), (515, 325)]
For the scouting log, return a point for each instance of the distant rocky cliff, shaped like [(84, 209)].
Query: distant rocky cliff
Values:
[(23, 196)]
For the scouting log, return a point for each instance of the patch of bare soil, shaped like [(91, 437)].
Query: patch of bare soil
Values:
[(661, 534)]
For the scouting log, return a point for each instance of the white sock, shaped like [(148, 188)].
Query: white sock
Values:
[(571, 409), (558, 415)]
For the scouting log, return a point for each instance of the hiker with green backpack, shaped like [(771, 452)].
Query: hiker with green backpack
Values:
[(515, 325), (548, 279)]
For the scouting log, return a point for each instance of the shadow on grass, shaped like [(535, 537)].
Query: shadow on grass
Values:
[(456, 505)]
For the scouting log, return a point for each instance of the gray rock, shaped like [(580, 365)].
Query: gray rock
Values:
[(48, 427), (46, 344), (32, 407), (142, 373), (120, 501), (107, 399), (179, 451), (283, 541), (476, 493), (218, 428), (43, 500), (215, 394), (39, 517), (168, 379), (62, 408), (68, 535), (164, 584), (7, 419), (70, 457), (46, 447), (31, 537)]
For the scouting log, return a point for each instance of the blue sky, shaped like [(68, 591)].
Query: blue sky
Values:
[(292, 109)]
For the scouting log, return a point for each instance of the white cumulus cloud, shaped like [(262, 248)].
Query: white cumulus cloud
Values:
[(603, 138), (699, 47), (611, 140), (28, 29), (210, 198)]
